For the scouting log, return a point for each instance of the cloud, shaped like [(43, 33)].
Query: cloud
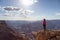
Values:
[(27, 12), (8, 14), (58, 13), (28, 2), (0, 8), (9, 8), (16, 12), (35, 1)]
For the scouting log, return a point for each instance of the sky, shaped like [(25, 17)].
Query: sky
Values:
[(29, 10)]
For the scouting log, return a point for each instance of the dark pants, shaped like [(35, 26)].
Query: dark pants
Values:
[(44, 26)]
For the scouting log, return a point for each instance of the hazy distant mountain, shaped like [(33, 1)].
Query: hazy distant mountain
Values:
[(9, 28), (53, 24), (28, 26)]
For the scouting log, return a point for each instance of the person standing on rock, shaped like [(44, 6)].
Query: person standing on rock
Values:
[(44, 24)]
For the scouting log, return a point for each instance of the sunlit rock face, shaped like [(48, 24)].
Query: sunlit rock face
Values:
[(5, 32), (48, 35)]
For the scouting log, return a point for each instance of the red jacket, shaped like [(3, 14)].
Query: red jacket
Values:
[(44, 23)]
